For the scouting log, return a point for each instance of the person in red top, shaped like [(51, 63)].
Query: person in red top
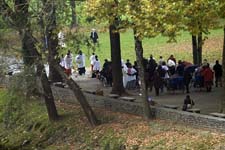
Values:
[(207, 73)]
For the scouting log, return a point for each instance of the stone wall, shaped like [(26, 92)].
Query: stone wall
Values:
[(198, 120), (98, 101), (177, 116)]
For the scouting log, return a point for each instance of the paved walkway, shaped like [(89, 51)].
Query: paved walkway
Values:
[(207, 102)]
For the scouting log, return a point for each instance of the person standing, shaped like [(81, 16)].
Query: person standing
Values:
[(208, 78), (80, 61), (218, 73), (160, 60), (94, 36), (187, 80), (62, 61), (96, 67), (92, 59), (68, 64)]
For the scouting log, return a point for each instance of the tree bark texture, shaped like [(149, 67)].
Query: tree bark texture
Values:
[(52, 40), (79, 95), (197, 48), (73, 13), (139, 56), (194, 49), (117, 87), (200, 43), (48, 96), (223, 65), (29, 42)]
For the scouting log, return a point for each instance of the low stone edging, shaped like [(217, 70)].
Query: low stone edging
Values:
[(173, 115), (188, 118)]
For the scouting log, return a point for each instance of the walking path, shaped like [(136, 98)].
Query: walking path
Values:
[(207, 102)]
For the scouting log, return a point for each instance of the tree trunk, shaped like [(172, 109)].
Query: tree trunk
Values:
[(139, 56), (48, 96), (223, 65), (200, 48), (52, 41), (116, 61), (194, 49), (30, 41), (79, 95), (74, 15)]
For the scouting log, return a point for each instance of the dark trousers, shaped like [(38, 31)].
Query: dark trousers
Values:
[(81, 70), (218, 80)]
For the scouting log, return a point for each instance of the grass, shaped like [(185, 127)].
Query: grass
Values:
[(158, 46), (32, 130)]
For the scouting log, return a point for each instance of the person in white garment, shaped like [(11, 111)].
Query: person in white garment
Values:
[(92, 60), (80, 61), (131, 77), (96, 67), (62, 61), (68, 63)]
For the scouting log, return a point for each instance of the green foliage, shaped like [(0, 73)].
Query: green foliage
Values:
[(24, 83), (110, 142), (13, 109), (200, 16)]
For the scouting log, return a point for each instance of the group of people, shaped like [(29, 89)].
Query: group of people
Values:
[(172, 74), (67, 63)]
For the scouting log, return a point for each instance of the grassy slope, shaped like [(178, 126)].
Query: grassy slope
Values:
[(117, 130), (157, 46)]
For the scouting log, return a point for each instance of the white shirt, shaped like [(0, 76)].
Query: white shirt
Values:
[(131, 76), (92, 59), (96, 65), (68, 62), (80, 60), (164, 67), (62, 62), (126, 77), (171, 63), (161, 61)]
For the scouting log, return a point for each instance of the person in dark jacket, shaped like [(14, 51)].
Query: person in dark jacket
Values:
[(157, 81), (180, 68), (187, 80), (218, 73), (188, 103), (94, 36)]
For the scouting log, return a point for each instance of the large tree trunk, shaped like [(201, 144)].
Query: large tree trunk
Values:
[(116, 61), (223, 65), (197, 48), (139, 56), (74, 15), (79, 95), (200, 48), (52, 40), (194, 49), (30, 42), (48, 96)]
